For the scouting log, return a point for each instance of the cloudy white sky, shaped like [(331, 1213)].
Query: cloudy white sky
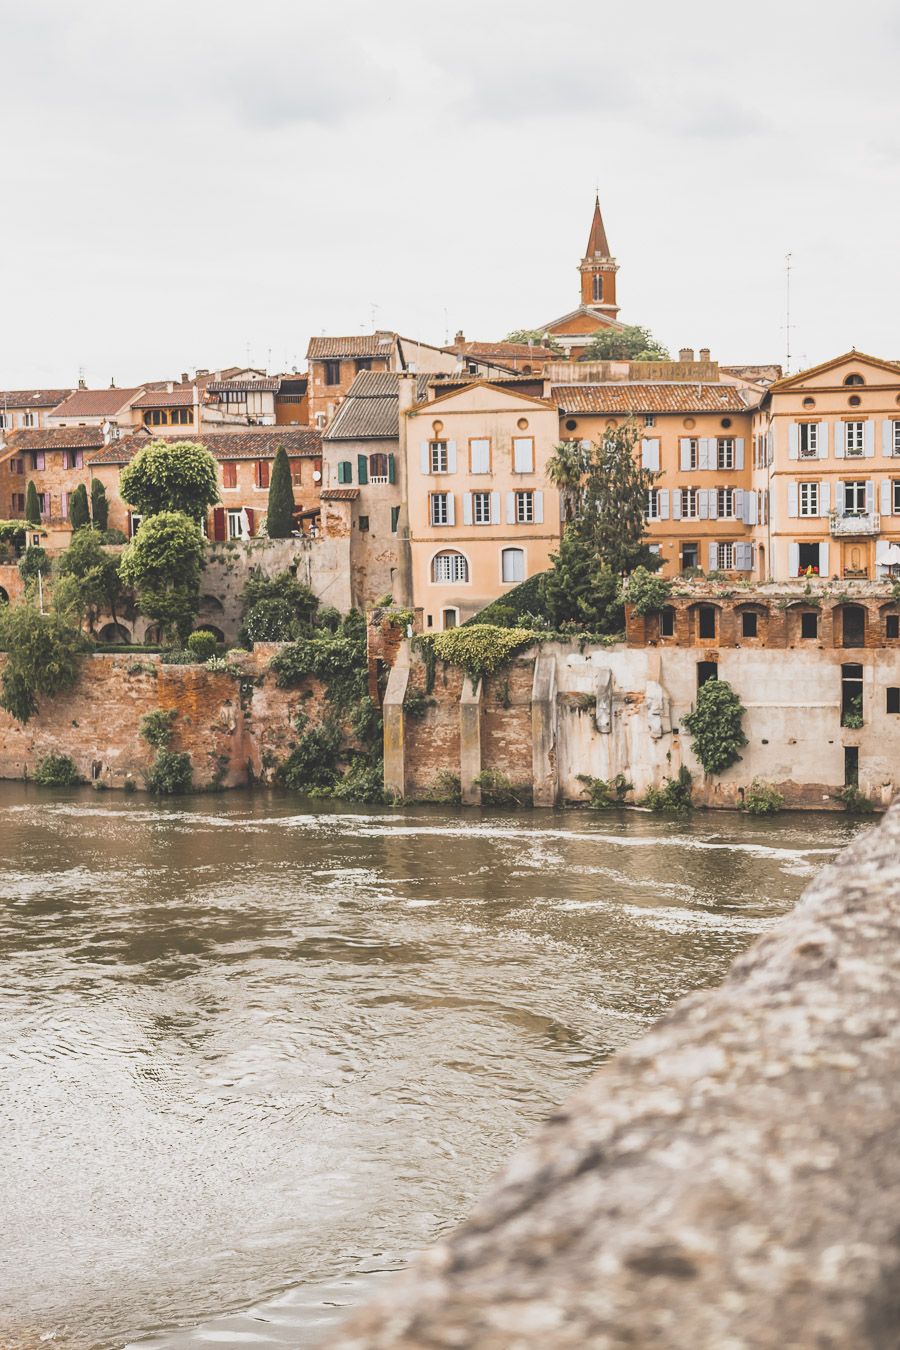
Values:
[(197, 183)]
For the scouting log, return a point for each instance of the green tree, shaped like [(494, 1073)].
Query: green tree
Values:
[(537, 338), (630, 343), (97, 586), (42, 658), (280, 515), (79, 512), (162, 564), (32, 505), (32, 561), (578, 589), (99, 505), (171, 476)]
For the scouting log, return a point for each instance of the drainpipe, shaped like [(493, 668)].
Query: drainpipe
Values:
[(406, 397)]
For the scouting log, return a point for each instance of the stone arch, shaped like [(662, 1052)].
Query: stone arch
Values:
[(758, 612), (4, 597), (212, 603), (211, 628), (705, 621), (113, 633)]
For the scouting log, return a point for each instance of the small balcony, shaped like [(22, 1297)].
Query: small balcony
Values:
[(855, 526)]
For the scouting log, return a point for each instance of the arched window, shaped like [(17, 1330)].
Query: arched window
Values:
[(512, 564), (378, 468), (854, 379), (598, 285), (449, 566)]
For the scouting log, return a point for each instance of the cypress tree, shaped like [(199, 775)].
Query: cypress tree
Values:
[(32, 505), (79, 516), (99, 505), (280, 515)]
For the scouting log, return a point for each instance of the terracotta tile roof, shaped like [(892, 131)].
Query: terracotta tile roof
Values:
[(374, 344), (267, 384), (500, 351), (340, 494), (32, 398), (96, 402), (299, 442), (182, 396), (54, 438), (647, 398)]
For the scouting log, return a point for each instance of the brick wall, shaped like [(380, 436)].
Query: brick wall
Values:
[(506, 722)]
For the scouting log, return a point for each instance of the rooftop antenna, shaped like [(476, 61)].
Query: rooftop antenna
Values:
[(374, 308), (787, 312), (446, 328)]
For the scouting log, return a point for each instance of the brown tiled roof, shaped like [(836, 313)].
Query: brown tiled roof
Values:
[(647, 398), (32, 398), (509, 351), (181, 397), (374, 344), (340, 494), (299, 442), (55, 438), (265, 384), (96, 402)]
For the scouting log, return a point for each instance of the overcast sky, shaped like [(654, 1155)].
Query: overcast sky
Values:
[(201, 183)]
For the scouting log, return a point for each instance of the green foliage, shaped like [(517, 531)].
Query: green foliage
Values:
[(79, 511), (156, 727), (415, 702), (171, 476), (855, 801), (498, 790), (853, 717), (366, 723), (32, 561), (97, 586), (112, 536), (202, 644), (100, 507), (170, 773), (32, 505), (363, 781), (604, 793), (578, 590), (445, 789), (479, 650), (12, 535), (162, 563), (271, 620), (56, 771), (337, 659), (537, 338), (715, 725), (42, 658), (675, 797), (313, 763), (505, 612), (762, 799), (629, 343), (280, 513), (295, 612), (644, 592)]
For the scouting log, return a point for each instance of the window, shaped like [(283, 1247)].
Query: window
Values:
[(378, 468), (450, 567), (690, 556), (5, 421), (726, 557), (851, 766), (64, 505), (725, 452), (809, 440), (363, 363), (395, 518), (893, 700), (807, 558), (438, 458), (809, 499), (512, 564), (156, 417), (895, 438), (895, 496), (749, 624), (364, 524), (262, 473), (524, 508), (73, 459), (809, 624), (233, 524), (481, 508), (345, 471), (234, 395), (44, 503), (706, 670), (134, 523), (854, 629), (440, 508), (707, 622), (693, 455), (38, 460), (854, 439), (855, 497), (667, 621), (653, 504), (726, 504), (29, 419), (649, 420), (480, 455), (229, 476), (523, 454), (688, 503), (17, 465), (332, 372), (183, 417), (854, 379), (892, 626), (851, 697), (597, 286), (297, 472), (18, 501)]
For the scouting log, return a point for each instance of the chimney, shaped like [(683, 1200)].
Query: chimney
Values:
[(460, 336), (170, 386), (81, 382), (406, 390), (184, 377), (685, 354), (704, 354)]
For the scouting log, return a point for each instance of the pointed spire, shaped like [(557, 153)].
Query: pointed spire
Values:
[(598, 246)]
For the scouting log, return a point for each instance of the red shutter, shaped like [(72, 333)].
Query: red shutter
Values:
[(262, 473), (251, 514), (219, 523)]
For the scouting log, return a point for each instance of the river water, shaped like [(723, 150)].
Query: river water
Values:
[(254, 1052)]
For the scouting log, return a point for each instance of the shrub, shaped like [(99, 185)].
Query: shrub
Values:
[(445, 789), (337, 660), (32, 561), (271, 620), (762, 799), (498, 790), (715, 726), (56, 771), (42, 658), (366, 723), (480, 650), (156, 727), (300, 600), (644, 592), (853, 717), (202, 644), (604, 793), (313, 763), (362, 782), (170, 773), (162, 563), (112, 536), (675, 797), (217, 664), (505, 611), (855, 801)]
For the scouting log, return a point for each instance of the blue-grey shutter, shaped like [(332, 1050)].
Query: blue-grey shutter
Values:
[(868, 438), (839, 497), (822, 442), (467, 508), (794, 559), (739, 503), (793, 509), (663, 503), (704, 457), (823, 559), (743, 557), (451, 509), (713, 556), (676, 503), (424, 457), (839, 440), (793, 440), (887, 438), (538, 503), (824, 497), (510, 508), (650, 454), (684, 453), (703, 504), (738, 452), (495, 508), (885, 496), (870, 497), (451, 456), (713, 499), (770, 446)]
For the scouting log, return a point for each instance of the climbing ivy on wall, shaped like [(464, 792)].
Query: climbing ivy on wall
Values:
[(715, 725), (480, 650)]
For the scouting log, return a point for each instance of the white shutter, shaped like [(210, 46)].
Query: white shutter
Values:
[(743, 557), (704, 454), (703, 504), (739, 503), (539, 508), (662, 500), (713, 499), (451, 456), (676, 503), (793, 440), (868, 438), (839, 440), (495, 508), (794, 559), (523, 455), (792, 499), (510, 508), (824, 497), (467, 508), (839, 497), (751, 508), (738, 452), (885, 496), (887, 438), (451, 509), (684, 453), (650, 454), (822, 442), (870, 497), (770, 446), (425, 457), (481, 456), (713, 557), (823, 559)]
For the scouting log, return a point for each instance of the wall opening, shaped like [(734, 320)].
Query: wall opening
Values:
[(851, 766), (808, 556), (851, 696), (749, 624), (853, 632), (809, 624), (706, 625), (893, 700), (706, 670), (892, 626), (667, 621)]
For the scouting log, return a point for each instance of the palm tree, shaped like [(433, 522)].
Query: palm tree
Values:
[(566, 470)]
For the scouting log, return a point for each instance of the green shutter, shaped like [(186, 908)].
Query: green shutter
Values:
[(362, 470), (395, 514), (345, 471), (392, 469)]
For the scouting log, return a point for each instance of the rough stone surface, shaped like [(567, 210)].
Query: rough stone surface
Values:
[(732, 1180)]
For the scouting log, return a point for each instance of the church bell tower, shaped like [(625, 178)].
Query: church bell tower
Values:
[(598, 269)]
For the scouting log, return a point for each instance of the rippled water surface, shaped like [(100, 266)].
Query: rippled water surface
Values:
[(253, 1053)]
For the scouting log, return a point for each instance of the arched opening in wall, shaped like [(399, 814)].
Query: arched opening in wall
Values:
[(212, 603), (761, 562), (706, 622), (449, 566), (4, 598), (667, 621), (853, 626), (113, 632), (890, 617), (211, 628), (153, 635), (752, 622), (378, 468)]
